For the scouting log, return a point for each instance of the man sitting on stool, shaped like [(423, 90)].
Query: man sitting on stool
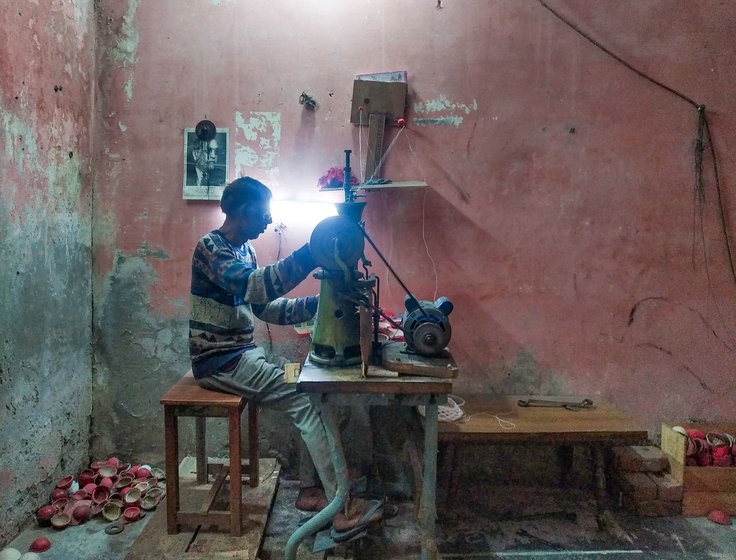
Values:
[(228, 291)]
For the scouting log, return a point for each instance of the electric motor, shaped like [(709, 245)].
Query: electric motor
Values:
[(426, 325)]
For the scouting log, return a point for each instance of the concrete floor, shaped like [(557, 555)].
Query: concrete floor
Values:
[(518, 522), (483, 523)]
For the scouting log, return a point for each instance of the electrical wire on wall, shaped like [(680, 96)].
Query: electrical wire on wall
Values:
[(703, 136), (279, 229), (424, 207), (424, 198)]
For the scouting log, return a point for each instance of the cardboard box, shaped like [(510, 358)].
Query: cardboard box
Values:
[(704, 488)]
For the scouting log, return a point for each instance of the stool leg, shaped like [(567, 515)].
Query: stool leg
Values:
[(171, 435), (201, 449), (236, 484), (253, 443)]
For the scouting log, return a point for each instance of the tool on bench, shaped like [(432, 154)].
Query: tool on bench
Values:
[(569, 405)]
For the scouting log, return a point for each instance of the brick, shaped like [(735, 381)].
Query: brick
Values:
[(638, 486), (668, 489), (657, 508), (653, 459), (626, 458), (640, 458)]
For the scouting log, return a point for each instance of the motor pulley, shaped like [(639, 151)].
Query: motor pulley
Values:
[(427, 326)]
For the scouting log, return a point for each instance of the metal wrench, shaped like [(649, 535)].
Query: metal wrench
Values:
[(574, 406)]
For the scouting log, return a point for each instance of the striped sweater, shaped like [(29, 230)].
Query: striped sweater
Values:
[(229, 290)]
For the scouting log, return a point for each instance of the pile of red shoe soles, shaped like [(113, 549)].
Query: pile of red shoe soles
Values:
[(112, 489), (705, 449)]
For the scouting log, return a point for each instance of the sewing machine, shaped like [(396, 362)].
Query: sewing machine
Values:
[(346, 326)]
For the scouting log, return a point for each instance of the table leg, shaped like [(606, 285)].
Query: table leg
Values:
[(565, 461), (341, 472), (236, 483), (427, 508), (603, 514), (171, 422), (200, 423)]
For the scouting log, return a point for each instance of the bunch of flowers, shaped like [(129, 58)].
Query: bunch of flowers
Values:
[(334, 178)]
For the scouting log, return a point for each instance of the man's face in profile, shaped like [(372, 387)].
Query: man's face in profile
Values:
[(206, 157)]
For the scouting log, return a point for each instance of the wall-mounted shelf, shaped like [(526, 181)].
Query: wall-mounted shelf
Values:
[(379, 186), (391, 185)]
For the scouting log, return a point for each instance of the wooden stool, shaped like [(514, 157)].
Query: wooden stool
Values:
[(187, 398)]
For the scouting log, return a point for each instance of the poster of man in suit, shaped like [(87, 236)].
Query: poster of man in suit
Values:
[(205, 165)]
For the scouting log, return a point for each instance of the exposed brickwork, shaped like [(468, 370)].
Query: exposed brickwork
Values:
[(643, 484), (667, 487), (640, 458), (638, 486)]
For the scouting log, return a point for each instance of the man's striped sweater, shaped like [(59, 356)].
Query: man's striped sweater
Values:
[(228, 290)]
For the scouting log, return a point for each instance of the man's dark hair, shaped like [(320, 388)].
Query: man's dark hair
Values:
[(245, 190)]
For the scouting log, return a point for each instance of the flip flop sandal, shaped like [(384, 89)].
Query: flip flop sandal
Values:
[(389, 509), (345, 536), (304, 520), (363, 522)]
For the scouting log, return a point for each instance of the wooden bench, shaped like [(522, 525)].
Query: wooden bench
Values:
[(498, 419), (187, 398)]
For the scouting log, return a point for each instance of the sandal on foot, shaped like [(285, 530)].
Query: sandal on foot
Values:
[(345, 527)]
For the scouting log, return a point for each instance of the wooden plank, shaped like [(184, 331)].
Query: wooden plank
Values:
[(366, 339), (698, 504), (710, 479), (316, 379), (396, 357), (673, 445), (377, 97), (498, 419), (211, 543), (376, 129), (216, 486)]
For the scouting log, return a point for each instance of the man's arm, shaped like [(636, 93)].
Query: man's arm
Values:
[(287, 311), (255, 285)]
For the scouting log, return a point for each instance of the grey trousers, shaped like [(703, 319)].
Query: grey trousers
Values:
[(262, 382)]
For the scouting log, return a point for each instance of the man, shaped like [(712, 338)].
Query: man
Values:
[(228, 291), (203, 170)]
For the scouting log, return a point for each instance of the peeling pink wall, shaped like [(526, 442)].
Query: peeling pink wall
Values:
[(46, 72), (559, 216)]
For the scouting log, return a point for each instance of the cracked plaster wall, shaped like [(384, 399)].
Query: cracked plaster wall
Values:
[(46, 69), (559, 213)]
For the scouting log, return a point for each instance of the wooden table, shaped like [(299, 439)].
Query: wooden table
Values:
[(328, 387), (498, 419)]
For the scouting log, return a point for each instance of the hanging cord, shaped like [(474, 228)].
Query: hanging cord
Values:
[(424, 216), (360, 144), (719, 194), (424, 205), (385, 154), (702, 127), (616, 57), (279, 229)]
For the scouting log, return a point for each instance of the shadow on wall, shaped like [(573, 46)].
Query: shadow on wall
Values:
[(475, 270)]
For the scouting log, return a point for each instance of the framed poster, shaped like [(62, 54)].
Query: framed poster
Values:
[(205, 165)]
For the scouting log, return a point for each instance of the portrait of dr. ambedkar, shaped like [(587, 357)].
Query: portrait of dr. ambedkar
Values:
[(205, 168)]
